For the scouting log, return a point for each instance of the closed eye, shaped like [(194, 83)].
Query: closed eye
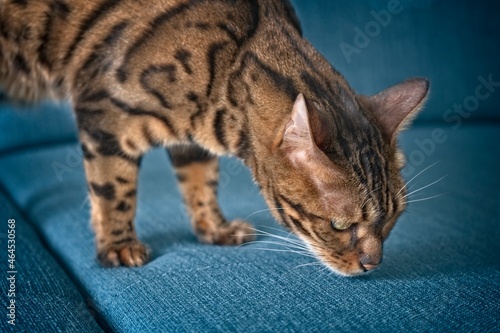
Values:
[(337, 226)]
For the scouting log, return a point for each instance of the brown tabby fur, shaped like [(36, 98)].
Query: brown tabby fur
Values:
[(206, 78)]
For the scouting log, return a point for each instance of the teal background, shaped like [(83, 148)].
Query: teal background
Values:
[(451, 43)]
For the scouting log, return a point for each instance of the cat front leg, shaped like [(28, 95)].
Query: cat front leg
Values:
[(198, 173), (112, 182)]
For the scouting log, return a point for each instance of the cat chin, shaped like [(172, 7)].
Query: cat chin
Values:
[(346, 275), (333, 269)]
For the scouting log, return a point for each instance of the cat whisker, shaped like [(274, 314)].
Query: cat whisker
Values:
[(286, 239), (316, 263), (85, 201), (288, 234), (365, 199), (331, 273), (415, 177), (289, 245), (282, 242), (324, 270), (412, 186), (261, 211), (427, 186), (277, 243), (279, 230), (286, 251), (425, 199)]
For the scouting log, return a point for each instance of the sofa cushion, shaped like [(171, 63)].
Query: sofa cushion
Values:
[(45, 299), (20, 126), (440, 267)]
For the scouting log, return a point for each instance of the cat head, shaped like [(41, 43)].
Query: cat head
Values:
[(336, 173)]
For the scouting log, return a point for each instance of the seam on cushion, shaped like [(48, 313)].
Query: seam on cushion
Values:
[(96, 315), (34, 146)]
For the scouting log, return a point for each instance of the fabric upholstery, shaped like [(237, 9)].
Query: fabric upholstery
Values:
[(45, 298), (440, 270), (24, 127)]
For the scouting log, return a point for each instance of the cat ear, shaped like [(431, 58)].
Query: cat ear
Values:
[(298, 139), (396, 107)]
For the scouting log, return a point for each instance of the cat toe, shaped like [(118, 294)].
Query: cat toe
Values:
[(235, 233), (132, 254)]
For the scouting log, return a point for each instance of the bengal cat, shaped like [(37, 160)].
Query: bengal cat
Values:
[(205, 78)]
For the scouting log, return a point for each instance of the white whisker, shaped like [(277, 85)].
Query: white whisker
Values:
[(425, 199), (305, 254), (262, 211), (418, 174), (278, 243), (412, 186), (423, 188), (324, 270), (365, 199), (87, 199), (288, 234), (290, 245), (286, 239), (317, 263), (279, 230)]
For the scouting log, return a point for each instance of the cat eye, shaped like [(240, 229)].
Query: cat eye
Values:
[(339, 226)]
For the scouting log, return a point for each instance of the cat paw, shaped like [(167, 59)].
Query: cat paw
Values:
[(234, 233), (130, 254)]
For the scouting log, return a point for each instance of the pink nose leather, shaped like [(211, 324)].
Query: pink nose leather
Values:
[(369, 267)]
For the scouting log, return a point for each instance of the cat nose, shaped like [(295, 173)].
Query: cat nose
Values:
[(369, 267), (369, 264)]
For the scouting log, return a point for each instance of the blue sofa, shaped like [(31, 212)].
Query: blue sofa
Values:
[(441, 269)]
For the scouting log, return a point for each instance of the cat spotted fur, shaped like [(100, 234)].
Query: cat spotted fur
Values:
[(206, 78)]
